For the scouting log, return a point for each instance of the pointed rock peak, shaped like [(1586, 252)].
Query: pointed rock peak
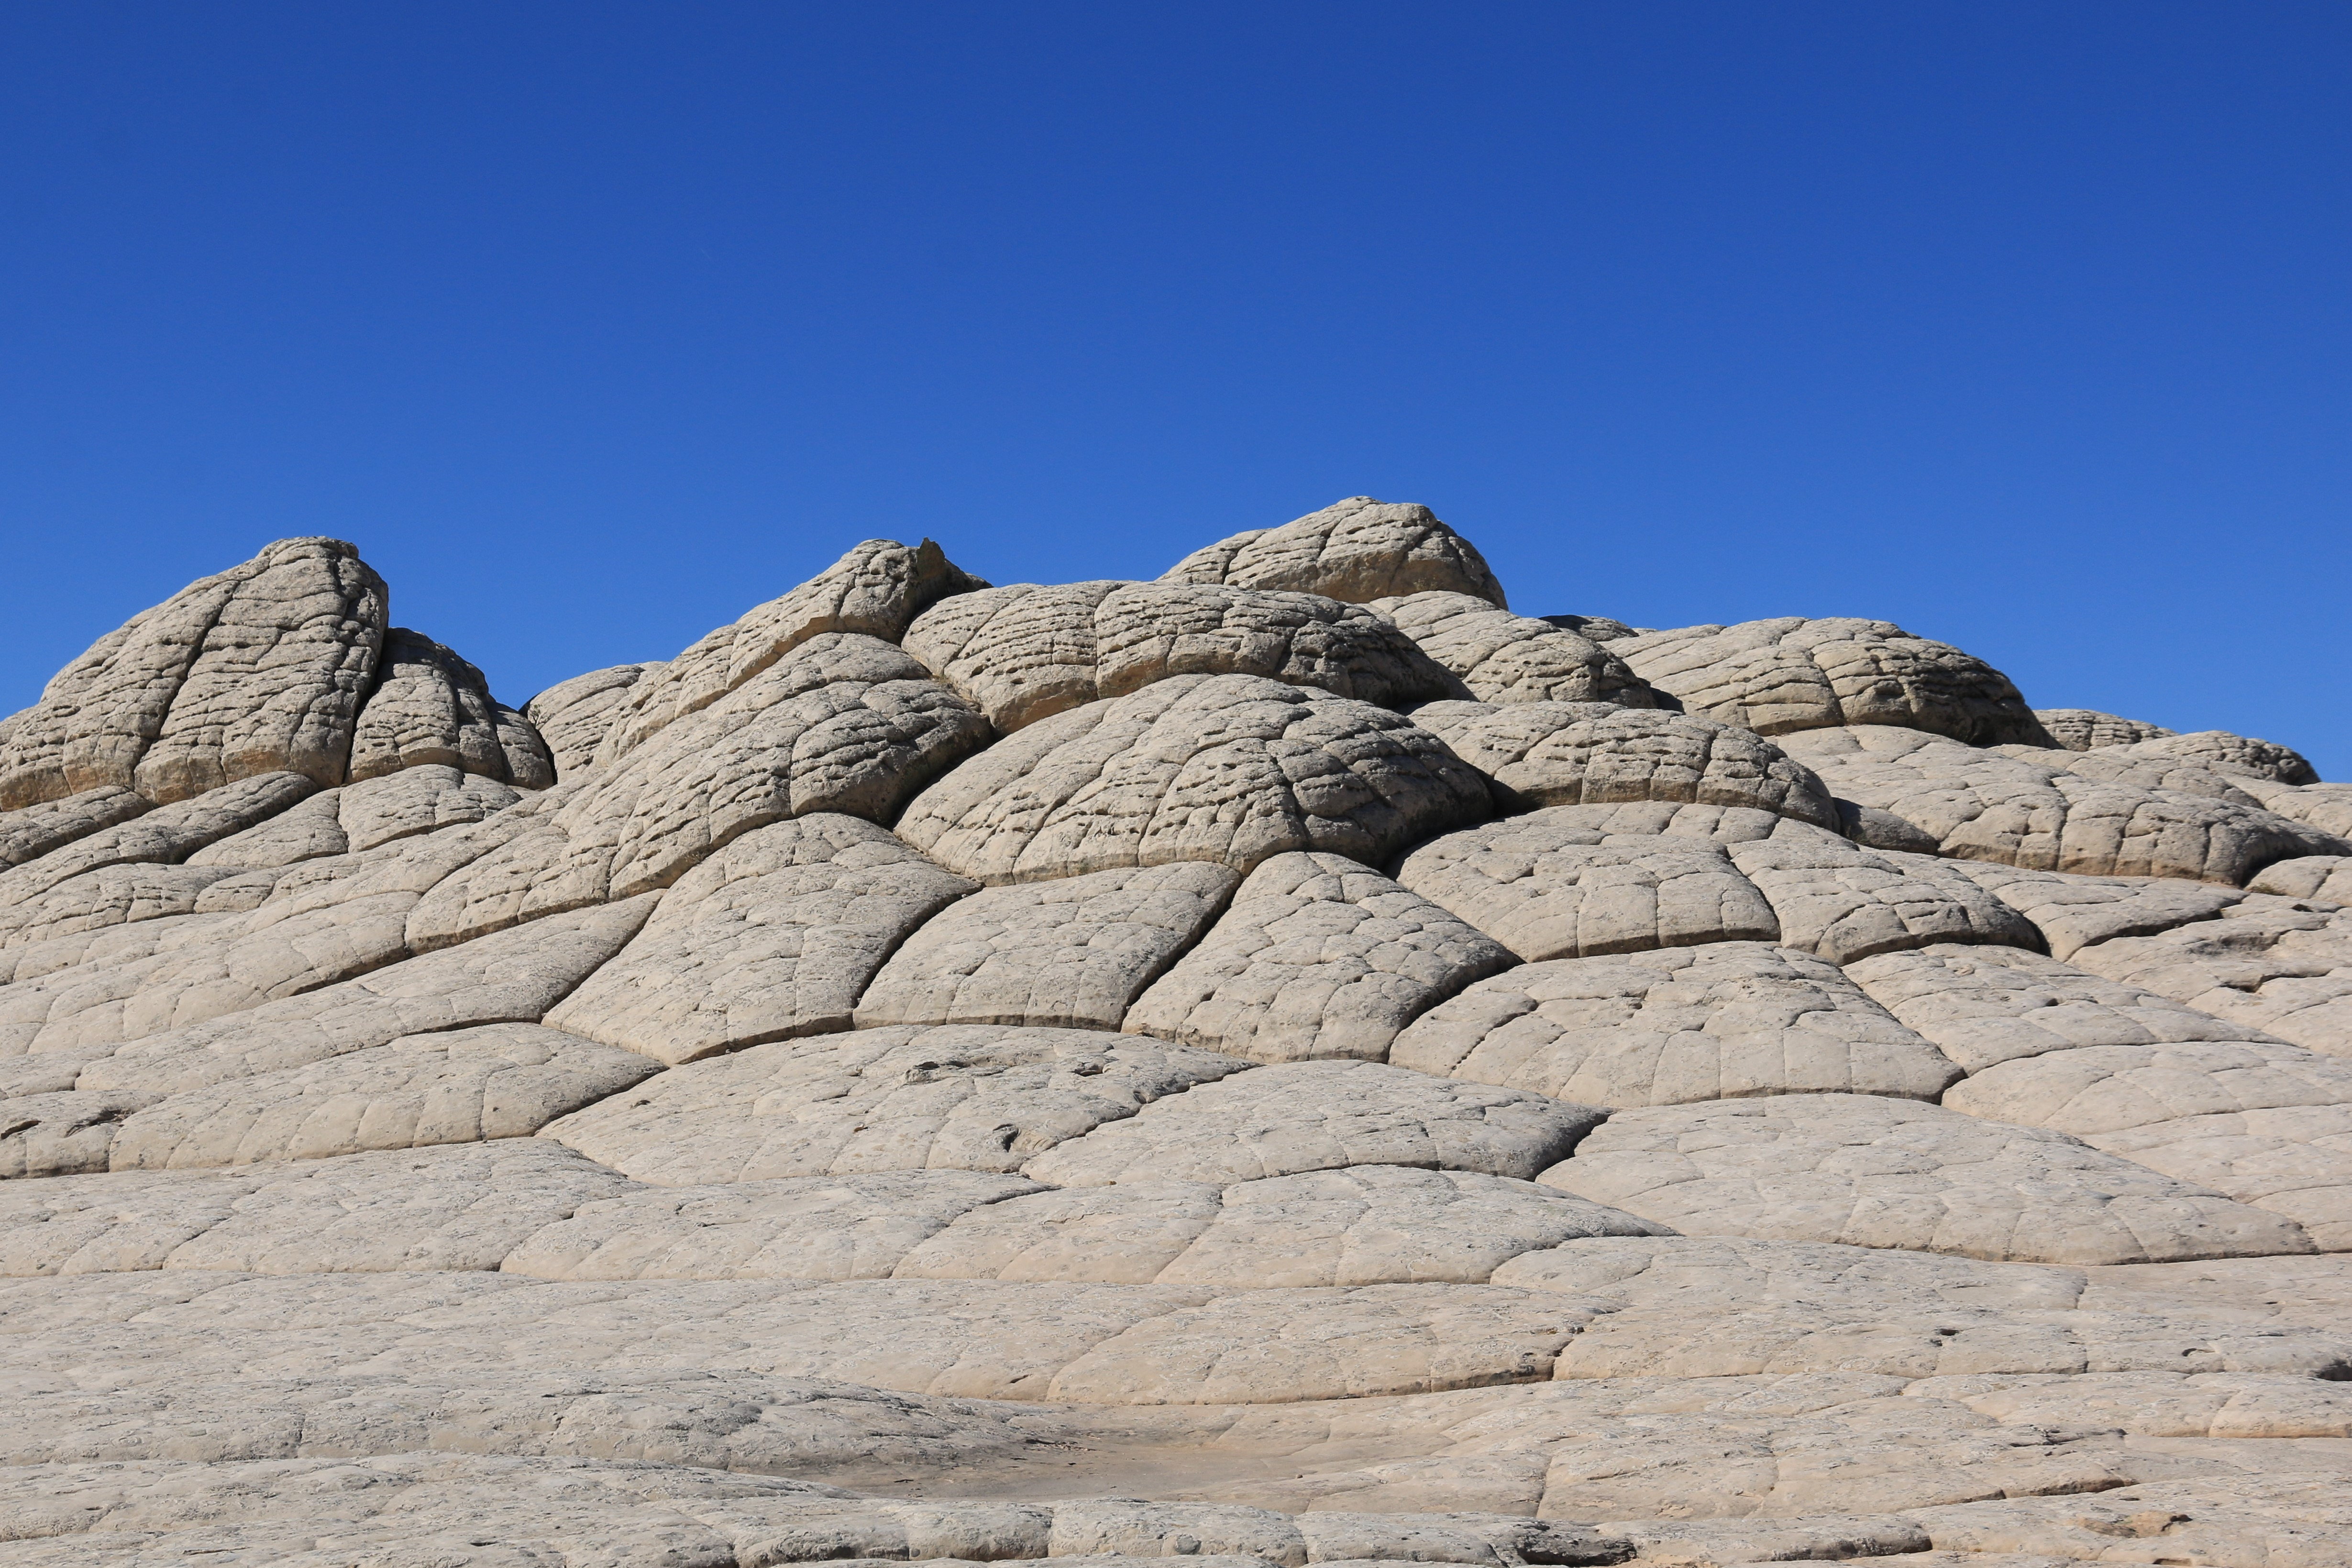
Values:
[(257, 669)]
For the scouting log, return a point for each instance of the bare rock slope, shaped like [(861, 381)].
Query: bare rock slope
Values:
[(1287, 1063)]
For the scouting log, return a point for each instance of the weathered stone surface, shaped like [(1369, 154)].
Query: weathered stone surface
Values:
[(458, 1207), (1590, 753), (2226, 753), (459, 1086), (259, 669), (32, 831), (1320, 1116), (513, 978), (2291, 1520), (1842, 903), (1564, 883), (1234, 769), (1319, 957), (573, 716), (309, 829), (2271, 964), (198, 967), (1019, 653), (2269, 1125), (164, 836), (1499, 657), (1025, 652), (2326, 807), (429, 706), (1792, 674), (1876, 1172), (406, 1506), (1357, 549), (1270, 1297), (2088, 729), (2322, 879), (1211, 561), (1265, 1347), (873, 590), (2133, 767), (420, 798), (2074, 911), (801, 1228), (1364, 1225), (61, 1132), (843, 723), (1070, 953), (970, 1097), (1716, 1022), (774, 937), (1986, 806), (117, 895), (1983, 1006)]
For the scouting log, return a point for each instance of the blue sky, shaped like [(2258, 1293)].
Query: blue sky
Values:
[(2023, 326)]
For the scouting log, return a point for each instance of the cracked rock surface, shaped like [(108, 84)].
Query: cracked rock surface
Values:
[(1289, 1063)]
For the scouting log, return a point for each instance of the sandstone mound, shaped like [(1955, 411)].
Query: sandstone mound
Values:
[(1287, 1063)]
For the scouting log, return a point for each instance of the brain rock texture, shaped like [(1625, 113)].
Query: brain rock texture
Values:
[(1292, 1062)]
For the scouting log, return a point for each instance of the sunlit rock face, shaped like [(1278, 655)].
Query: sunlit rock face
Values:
[(1289, 1062)]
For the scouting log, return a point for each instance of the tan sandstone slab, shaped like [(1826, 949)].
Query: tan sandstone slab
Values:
[(1713, 1023), (1499, 657), (573, 716), (1073, 952), (1590, 753), (799, 1227), (1357, 549), (873, 590), (1842, 903), (843, 723), (29, 832), (2088, 729), (431, 707), (772, 938), (1356, 1226), (2271, 964), (1791, 674), (455, 1207), (2323, 879), (1872, 1171), (1319, 957), (166, 835), (1986, 1005), (2291, 1520), (2073, 912), (2048, 816), (1232, 769), (258, 669), (1025, 653), (970, 1096), (459, 1086), (1321, 1116), (511, 978), (1568, 881)]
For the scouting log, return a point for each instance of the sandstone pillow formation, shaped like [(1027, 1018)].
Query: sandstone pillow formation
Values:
[(1289, 1062)]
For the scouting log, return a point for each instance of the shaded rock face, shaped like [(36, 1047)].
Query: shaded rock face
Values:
[(1287, 1063)]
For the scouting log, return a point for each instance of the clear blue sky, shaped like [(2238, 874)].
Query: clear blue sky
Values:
[(2024, 325)]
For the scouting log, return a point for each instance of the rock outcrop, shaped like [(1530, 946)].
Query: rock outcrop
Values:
[(1290, 1063)]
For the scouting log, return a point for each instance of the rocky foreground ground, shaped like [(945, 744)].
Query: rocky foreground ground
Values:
[(1288, 1062)]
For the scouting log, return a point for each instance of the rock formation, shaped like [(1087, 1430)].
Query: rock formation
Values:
[(1292, 1062)]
